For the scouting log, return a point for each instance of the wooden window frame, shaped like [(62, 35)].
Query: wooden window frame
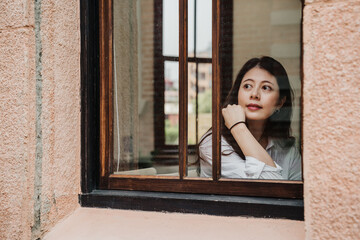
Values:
[(181, 184)]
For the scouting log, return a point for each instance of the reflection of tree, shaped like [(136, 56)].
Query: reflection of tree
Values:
[(204, 102), (171, 132)]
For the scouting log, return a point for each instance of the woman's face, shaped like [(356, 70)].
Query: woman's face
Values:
[(259, 94)]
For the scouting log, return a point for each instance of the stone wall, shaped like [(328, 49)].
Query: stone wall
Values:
[(331, 119), (40, 115)]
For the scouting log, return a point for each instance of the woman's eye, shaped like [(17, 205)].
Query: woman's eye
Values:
[(267, 88), (247, 86)]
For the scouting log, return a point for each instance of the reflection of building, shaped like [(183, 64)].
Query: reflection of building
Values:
[(199, 95), (203, 73), (171, 107), (204, 79), (171, 91)]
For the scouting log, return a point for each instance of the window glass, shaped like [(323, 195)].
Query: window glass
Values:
[(199, 28), (199, 78), (203, 28), (200, 100), (191, 27), (137, 91), (199, 110), (265, 142), (266, 94), (170, 28), (171, 106)]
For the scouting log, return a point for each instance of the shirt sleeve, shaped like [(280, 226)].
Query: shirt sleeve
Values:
[(205, 153), (257, 169), (233, 166)]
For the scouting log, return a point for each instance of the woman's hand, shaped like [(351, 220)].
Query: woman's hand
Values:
[(244, 138), (233, 114)]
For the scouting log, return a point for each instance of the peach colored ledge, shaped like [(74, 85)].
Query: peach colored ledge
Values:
[(95, 223)]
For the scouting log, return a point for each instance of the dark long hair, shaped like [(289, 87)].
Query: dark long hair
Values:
[(278, 124)]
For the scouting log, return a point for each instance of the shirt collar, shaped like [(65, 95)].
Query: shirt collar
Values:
[(270, 143)]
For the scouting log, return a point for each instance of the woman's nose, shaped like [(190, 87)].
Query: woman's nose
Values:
[(255, 93)]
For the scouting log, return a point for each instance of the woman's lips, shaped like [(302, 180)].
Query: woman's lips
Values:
[(253, 107)]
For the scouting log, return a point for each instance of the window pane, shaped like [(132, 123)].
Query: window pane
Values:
[(170, 28), (203, 28), (199, 109), (200, 101), (204, 98), (139, 89), (252, 29), (199, 28), (191, 27), (192, 103), (171, 107)]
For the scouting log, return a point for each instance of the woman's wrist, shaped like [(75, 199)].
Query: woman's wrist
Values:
[(237, 124)]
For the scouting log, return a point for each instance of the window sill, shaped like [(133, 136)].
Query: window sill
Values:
[(195, 203), (97, 223)]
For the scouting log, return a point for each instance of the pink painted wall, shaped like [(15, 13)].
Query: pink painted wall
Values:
[(332, 119), (50, 161)]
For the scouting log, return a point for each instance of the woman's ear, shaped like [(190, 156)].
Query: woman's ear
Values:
[(281, 102)]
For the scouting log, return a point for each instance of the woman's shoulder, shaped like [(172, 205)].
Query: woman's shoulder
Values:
[(285, 144), (287, 148), (206, 139)]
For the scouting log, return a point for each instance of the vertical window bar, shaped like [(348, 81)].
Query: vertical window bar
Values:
[(159, 78), (216, 114), (183, 86), (106, 78)]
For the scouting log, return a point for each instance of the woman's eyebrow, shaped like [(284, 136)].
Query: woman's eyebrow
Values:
[(249, 79), (267, 81), (263, 81)]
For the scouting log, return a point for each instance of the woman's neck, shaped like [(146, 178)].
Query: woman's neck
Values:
[(257, 129)]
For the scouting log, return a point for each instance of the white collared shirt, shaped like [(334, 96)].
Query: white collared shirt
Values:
[(287, 161)]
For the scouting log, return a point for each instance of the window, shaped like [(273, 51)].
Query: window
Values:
[(199, 73), (153, 100)]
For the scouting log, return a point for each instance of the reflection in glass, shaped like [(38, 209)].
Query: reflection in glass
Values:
[(199, 77), (191, 27), (264, 141), (140, 88), (199, 108), (200, 101), (171, 106), (170, 28), (203, 28), (199, 28)]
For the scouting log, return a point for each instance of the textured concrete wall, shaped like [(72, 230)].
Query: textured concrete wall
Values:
[(40, 115), (332, 119), (17, 114)]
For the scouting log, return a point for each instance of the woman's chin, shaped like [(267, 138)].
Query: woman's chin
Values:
[(252, 117)]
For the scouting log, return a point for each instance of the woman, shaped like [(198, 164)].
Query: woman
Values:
[(256, 141)]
